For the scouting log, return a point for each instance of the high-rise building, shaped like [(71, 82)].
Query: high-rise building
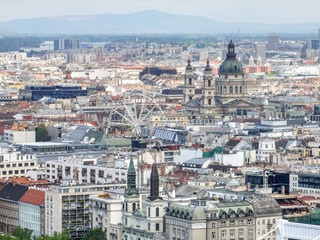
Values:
[(63, 44), (273, 42), (315, 44), (260, 50)]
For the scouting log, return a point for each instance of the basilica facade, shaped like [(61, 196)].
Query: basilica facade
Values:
[(226, 94)]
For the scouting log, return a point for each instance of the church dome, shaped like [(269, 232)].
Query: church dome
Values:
[(231, 64)]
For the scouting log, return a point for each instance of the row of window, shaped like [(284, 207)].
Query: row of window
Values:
[(16, 172), (17, 165)]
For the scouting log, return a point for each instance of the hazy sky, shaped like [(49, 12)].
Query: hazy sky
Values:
[(263, 11)]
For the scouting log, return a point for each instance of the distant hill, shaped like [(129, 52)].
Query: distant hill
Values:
[(144, 22)]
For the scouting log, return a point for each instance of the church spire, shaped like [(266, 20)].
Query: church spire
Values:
[(131, 180), (154, 183), (189, 67), (231, 53), (208, 68)]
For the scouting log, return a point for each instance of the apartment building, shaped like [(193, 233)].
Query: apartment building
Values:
[(229, 220), (68, 207), (106, 213), (15, 163), (83, 171)]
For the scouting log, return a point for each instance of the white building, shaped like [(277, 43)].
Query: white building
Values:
[(25, 136), (233, 159), (266, 151), (106, 213), (83, 171)]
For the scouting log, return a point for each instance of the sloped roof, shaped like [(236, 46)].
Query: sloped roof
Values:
[(33, 196), (13, 192)]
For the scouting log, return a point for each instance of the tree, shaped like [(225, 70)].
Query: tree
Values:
[(22, 233), (95, 234), (56, 236), (42, 134)]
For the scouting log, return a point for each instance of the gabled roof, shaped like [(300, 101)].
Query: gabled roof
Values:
[(33, 196), (13, 192)]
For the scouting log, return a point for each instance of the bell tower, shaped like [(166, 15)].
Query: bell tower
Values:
[(154, 203), (208, 87), (188, 88), (131, 196)]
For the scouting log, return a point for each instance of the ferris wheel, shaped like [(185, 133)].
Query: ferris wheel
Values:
[(133, 112)]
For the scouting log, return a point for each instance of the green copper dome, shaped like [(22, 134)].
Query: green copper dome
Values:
[(231, 64)]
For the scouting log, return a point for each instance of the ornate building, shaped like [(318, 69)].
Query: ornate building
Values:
[(141, 224), (229, 93)]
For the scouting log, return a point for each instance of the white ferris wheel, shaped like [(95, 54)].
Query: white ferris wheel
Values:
[(134, 112)]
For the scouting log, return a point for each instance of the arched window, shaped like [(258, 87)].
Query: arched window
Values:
[(225, 89), (209, 101), (209, 83), (236, 89), (126, 206), (231, 89), (157, 212), (240, 91), (190, 98), (133, 207), (190, 81)]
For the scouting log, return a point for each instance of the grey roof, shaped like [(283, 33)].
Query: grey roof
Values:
[(196, 161), (266, 207), (78, 134), (189, 191)]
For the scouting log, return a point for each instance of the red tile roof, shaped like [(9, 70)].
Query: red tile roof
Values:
[(33, 196)]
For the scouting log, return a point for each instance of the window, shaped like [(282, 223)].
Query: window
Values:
[(263, 222), (223, 234), (133, 207), (240, 222), (232, 235), (190, 81), (157, 212), (149, 211), (26, 164), (232, 223), (249, 221), (213, 225), (209, 83), (213, 235), (223, 223), (157, 227), (250, 232), (240, 232)]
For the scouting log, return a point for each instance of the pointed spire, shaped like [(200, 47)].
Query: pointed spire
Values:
[(231, 53), (189, 67), (131, 179), (208, 68), (154, 183)]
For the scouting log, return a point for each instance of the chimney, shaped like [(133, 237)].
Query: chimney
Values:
[(283, 190), (248, 186)]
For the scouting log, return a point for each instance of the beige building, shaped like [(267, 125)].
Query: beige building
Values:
[(16, 164), (267, 212), (230, 220)]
